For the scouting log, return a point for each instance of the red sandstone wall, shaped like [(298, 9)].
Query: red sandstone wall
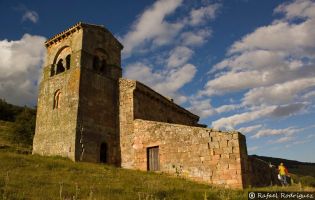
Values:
[(195, 153)]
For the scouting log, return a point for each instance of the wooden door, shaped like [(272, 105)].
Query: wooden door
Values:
[(153, 159)]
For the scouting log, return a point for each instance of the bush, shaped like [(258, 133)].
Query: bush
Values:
[(308, 180), (24, 127), (8, 111)]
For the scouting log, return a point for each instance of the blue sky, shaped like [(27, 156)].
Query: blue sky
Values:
[(239, 64)]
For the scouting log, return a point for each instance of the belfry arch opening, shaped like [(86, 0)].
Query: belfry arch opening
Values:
[(62, 61)]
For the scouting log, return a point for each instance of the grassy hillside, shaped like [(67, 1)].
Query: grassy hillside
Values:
[(26, 176), (302, 168), (303, 172), (36, 177)]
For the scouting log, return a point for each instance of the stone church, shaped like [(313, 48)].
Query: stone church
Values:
[(88, 112)]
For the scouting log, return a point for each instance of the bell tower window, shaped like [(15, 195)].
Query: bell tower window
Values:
[(60, 67), (62, 61), (68, 58), (100, 62), (57, 98)]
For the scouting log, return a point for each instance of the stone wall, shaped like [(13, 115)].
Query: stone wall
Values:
[(87, 113), (97, 117), (199, 154), (56, 127), (150, 105), (138, 101), (98, 105), (126, 117)]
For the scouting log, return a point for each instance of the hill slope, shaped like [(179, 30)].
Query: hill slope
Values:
[(25, 176)]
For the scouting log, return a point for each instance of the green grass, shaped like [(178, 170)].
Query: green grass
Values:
[(6, 129), (25, 176), (36, 177)]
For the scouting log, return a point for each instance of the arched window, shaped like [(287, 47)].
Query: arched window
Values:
[(57, 98), (62, 61), (95, 63), (100, 61), (60, 67), (68, 58), (103, 67)]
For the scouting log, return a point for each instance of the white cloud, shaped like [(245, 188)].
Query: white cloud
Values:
[(166, 81), (31, 16), (233, 81), (249, 129), (227, 108), (279, 93), (28, 15), (282, 139), (202, 108), (300, 142), (20, 68), (151, 26), (202, 14), (287, 110), (195, 38), (296, 39), (152, 29), (234, 120), (309, 95), (269, 132), (179, 56), (273, 68), (298, 8)]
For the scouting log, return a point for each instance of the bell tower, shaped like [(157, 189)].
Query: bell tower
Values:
[(77, 111)]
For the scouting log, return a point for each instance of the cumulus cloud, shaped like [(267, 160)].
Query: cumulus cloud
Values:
[(20, 68), (179, 56), (287, 110), (250, 129), (202, 108), (195, 38), (28, 15), (272, 67), (283, 139), (227, 108), (300, 8), (201, 15), (166, 81), (234, 120), (279, 93), (152, 29), (152, 26), (31, 16), (269, 132), (280, 52)]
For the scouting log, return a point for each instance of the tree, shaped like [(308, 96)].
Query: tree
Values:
[(8, 111), (24, 127)]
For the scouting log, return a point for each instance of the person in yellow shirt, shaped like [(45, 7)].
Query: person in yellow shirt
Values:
[(283, 174)]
